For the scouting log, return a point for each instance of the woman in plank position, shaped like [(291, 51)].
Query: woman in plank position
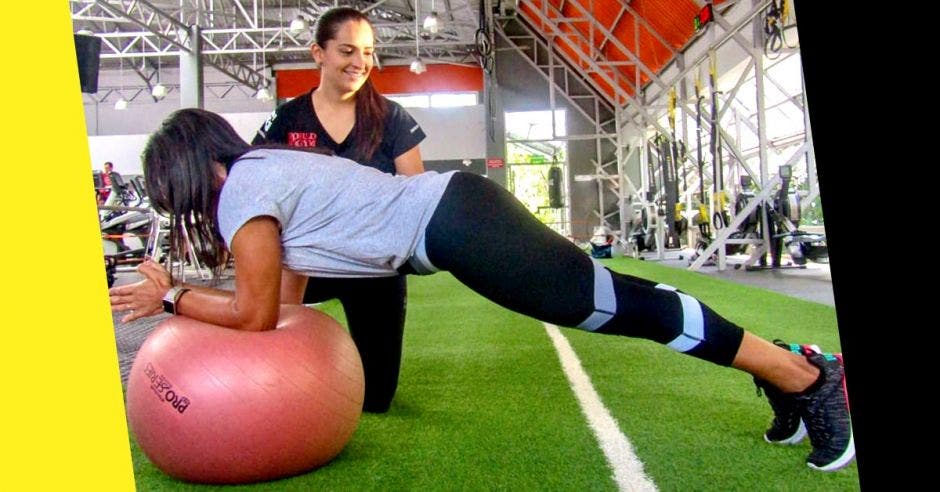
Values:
[(287, 214)]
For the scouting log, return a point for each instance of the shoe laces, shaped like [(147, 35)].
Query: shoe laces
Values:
[(783, 410)]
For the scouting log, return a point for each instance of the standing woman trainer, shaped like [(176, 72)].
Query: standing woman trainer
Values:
[(346, 115)]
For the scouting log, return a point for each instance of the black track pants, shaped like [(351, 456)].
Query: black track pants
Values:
[(375, 312), (490, 242)]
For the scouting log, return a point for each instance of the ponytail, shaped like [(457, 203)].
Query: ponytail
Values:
[(371, 109)]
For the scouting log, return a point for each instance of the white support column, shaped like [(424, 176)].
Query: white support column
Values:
[(191, 95), (810, 152), (551, 82), (757, 53), (683, 112), (625, 207), (598, 156)]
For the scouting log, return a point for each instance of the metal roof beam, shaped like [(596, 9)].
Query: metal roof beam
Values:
[(637, 105), (639, 18), (737, 87), (226, 41), (147, 15), (594, 65), (616, 41), (719, 42), (612, 26)]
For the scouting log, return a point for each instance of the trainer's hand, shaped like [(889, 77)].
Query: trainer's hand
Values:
[(144, 298)]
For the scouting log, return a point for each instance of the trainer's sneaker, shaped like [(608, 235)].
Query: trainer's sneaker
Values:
[(825, 410), (787, 426)]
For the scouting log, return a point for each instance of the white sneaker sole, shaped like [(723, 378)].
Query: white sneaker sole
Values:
[(794, 439), (841, 461)]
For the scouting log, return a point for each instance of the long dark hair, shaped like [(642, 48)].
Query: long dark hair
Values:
[(371, 107), (182, 183)]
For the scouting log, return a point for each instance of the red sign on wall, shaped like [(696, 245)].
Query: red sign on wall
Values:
[(493, 163)]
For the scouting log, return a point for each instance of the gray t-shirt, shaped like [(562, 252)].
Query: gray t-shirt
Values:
[(337, 218)]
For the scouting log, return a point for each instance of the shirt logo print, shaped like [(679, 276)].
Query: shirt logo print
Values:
[(302, 139)]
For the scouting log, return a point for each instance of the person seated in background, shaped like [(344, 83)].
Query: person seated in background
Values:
[(602, 243), (109, 176)]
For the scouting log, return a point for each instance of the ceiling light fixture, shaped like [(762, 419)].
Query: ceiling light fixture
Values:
[(417, 66), (263, 94), (432, 22), (121, 103), (159, 91), (298, 25)]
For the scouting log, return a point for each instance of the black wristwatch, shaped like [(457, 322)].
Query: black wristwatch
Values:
[(172, 297)]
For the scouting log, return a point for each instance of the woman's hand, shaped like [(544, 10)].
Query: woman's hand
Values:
[(144, 298)]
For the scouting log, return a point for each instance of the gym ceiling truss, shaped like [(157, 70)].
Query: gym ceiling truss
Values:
[(636, 83), (233, 34), (614, 62)]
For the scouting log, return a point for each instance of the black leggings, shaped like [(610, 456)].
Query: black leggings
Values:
[(375, 313), (490, 242)]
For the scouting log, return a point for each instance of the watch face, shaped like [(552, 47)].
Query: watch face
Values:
[(168, 300)]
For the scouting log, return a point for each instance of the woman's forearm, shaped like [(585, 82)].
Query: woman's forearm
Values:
[(254, 305), (221, 307)]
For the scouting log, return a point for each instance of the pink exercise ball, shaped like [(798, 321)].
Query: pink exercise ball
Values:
[(215, 405)]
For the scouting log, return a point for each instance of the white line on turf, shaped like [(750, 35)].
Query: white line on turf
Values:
[(628, 469)]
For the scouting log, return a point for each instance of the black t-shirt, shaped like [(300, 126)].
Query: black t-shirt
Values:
[(296, 124)]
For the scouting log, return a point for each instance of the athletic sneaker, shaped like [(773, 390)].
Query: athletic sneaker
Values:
[(825, 410), (787, 426)]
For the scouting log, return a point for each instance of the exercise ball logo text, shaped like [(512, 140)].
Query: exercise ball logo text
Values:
[(162, 387)]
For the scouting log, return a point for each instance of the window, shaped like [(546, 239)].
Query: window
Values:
[(437, 100), (530, 157), (417, 101), (453, 100)]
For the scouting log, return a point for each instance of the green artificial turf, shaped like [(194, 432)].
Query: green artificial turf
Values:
[(697, 426), (483, 404)]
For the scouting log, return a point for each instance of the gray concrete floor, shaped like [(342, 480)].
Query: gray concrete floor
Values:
[(813, 283)]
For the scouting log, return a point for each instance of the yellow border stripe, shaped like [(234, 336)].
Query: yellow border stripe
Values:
[(63, 421)]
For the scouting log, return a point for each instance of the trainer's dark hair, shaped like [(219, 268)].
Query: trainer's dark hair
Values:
[(371, 107), (182, 181)]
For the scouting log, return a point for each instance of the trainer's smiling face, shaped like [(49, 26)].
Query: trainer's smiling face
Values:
[(346, 60)]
